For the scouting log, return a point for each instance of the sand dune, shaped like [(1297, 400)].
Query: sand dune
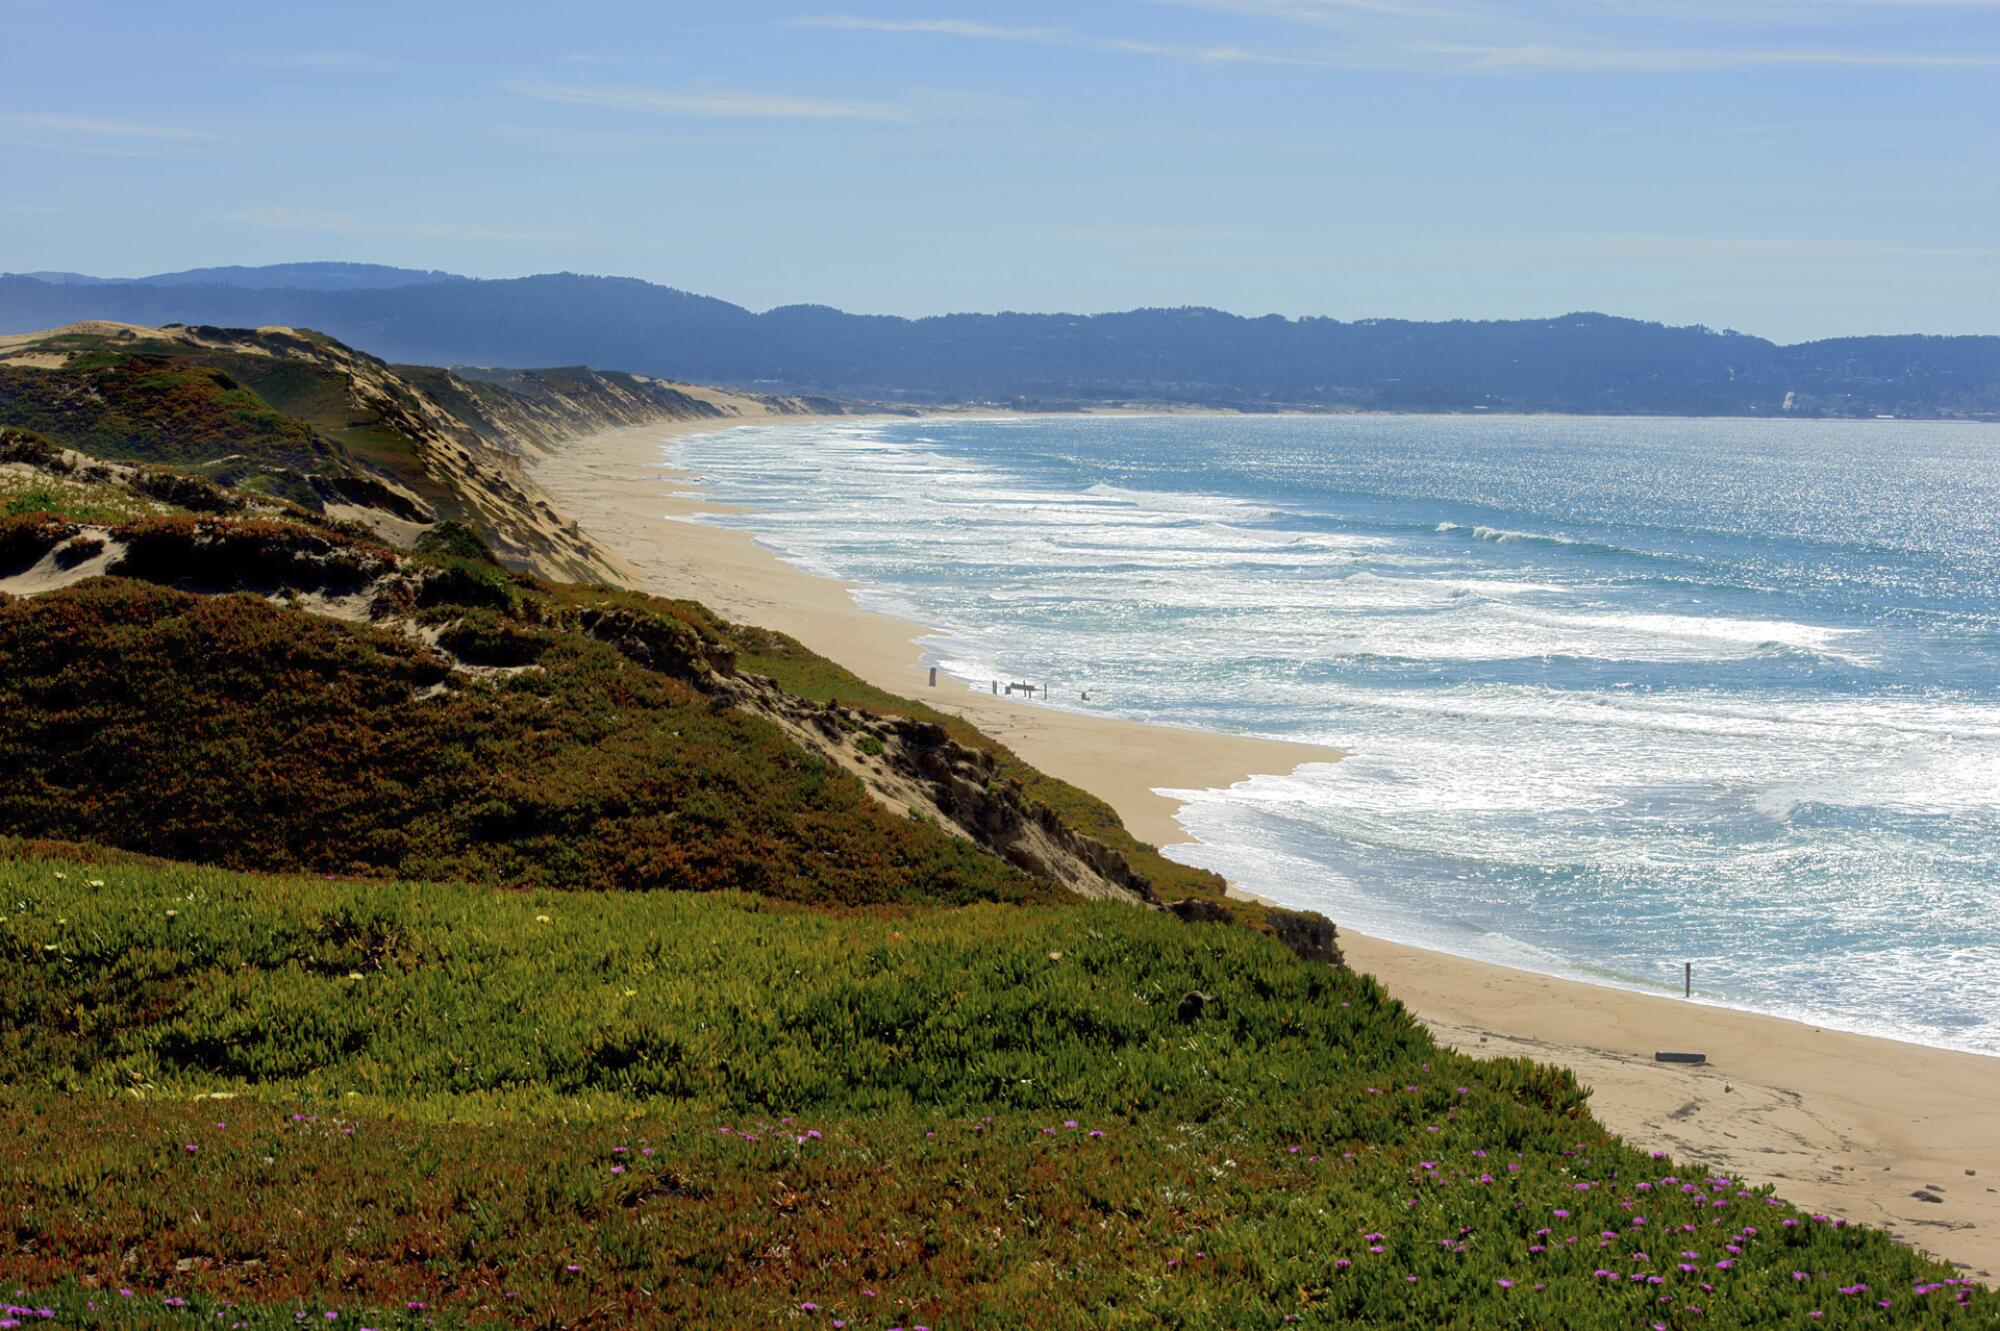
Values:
[(1872, 1130)]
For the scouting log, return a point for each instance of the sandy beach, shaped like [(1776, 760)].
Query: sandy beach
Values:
[(1889, 1134)]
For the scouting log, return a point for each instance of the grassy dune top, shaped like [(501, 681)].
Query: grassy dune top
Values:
[(611, 1109), (229, 729)]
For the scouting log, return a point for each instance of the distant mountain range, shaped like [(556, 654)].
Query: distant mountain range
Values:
[(1582, 362)]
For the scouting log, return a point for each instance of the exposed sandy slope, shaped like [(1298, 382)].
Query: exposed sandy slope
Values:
[(1844, 1124)]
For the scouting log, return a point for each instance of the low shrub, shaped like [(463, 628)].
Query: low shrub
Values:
[(26, 536), (229, 730)]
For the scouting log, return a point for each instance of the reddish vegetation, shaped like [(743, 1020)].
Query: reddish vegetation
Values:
[(228, 730)]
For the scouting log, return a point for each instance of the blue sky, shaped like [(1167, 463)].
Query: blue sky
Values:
[(1795, 168)]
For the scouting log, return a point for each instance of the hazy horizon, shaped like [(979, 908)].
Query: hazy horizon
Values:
[(1794, 170)]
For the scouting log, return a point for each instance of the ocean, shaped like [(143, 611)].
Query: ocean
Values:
[(1616, 694)]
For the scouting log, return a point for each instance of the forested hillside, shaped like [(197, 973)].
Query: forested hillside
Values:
[(1575, 363)]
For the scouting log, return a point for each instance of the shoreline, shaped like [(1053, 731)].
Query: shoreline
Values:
[(1853, 1125)]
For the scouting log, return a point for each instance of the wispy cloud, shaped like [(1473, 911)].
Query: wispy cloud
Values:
[(283, 218), (94, 137), (114, 129), (725, 105), (948, 27), (1675, 60), (1237, 55), (1791, 9), (1069, 39), (1327, 11), (1481, 36)]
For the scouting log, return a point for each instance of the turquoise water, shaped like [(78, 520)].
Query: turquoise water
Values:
[(1617, 694)]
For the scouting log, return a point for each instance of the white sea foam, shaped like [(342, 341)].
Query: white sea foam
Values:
[(1562, 756)]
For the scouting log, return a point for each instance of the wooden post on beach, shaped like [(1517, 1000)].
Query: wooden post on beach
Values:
[(1687, 979), (933, 676)]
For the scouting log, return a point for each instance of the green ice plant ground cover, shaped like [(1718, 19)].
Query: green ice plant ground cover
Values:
[(257, 1101)]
